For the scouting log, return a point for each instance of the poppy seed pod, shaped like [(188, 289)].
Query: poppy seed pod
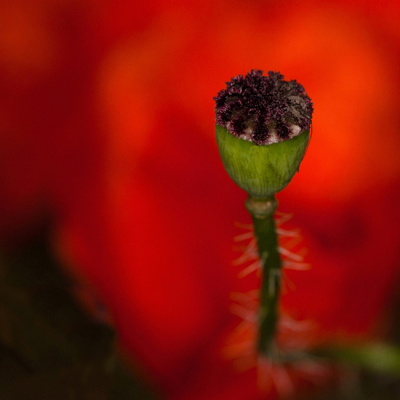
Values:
[(262, 131)]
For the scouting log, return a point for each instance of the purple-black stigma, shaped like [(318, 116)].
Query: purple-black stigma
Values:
[(263, 109)]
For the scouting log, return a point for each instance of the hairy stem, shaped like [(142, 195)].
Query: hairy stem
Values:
[(262, 211)]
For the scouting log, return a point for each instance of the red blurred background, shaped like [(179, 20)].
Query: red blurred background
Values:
[(107, 125)]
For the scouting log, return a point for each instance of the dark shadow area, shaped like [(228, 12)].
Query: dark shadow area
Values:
[(49, 347)]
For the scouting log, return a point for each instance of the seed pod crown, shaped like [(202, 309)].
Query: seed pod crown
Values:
[(263, 109)]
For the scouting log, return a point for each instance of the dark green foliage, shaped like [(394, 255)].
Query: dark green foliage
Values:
[(49, 348)]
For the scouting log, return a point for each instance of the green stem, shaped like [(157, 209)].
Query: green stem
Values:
[(382, 358), (262, 211)]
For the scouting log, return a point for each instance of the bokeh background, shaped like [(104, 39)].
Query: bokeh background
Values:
[(107, 133)]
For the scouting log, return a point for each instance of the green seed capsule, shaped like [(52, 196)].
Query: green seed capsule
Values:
[(261, 170), (263, 129)]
